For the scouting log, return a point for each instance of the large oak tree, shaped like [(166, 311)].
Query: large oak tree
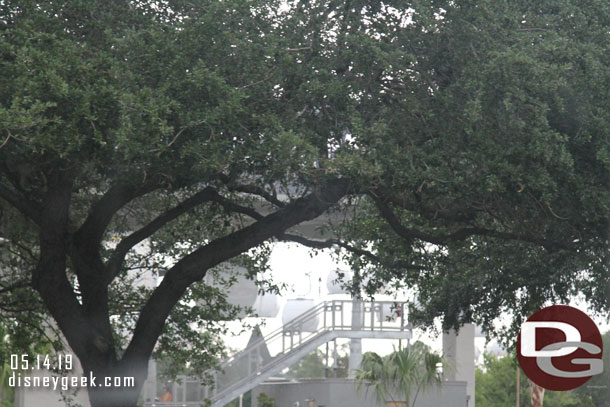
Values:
[(465, 145)]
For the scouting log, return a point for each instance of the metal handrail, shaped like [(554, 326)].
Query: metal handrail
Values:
[(298, 338), (255, 348), (278, 332)]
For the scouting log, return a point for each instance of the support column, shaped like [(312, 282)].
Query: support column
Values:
[(149, 390), (458, 351), (355, 345)]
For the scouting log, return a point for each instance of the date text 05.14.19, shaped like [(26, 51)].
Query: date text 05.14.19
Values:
[(38, 362)]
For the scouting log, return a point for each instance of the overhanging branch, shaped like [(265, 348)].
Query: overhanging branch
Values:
[(93, 228), (251, 189), (443, 239), (127, 243), (327, 244), (193, 267), (29, 209), (208, 194)]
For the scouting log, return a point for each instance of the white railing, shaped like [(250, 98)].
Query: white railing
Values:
[(337, 315), (272, 352)]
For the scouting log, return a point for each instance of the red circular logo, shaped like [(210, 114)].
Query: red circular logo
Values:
[(560, 348)]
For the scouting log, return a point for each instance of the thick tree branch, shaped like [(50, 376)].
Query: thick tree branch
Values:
[(29, 209), (254, 190), (327, 244), (49, 277), (126, 244), (459, 235), (208, 194), (251, 189), (93, 228), (459, 213), (231, 206), (194, 266), (84, 249)]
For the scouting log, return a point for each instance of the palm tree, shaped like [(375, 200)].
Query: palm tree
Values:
[(400, 376)]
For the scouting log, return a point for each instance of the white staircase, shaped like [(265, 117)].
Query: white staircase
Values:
[(271, 354), (278, 350)]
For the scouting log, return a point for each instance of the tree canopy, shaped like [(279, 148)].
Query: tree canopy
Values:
[(463, 144)]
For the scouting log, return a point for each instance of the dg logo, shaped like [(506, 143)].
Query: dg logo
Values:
[(560, 348)]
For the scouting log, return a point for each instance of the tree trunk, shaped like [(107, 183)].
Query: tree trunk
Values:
[(117, 386), (536, 394), (85, 321)]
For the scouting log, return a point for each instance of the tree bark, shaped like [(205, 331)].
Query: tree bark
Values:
[(84, 318), (537, 394), (118, 385)]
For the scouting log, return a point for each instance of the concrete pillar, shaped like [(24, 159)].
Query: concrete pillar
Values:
[(355, 345), (355, 356), (458, 351), (149, 390)]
